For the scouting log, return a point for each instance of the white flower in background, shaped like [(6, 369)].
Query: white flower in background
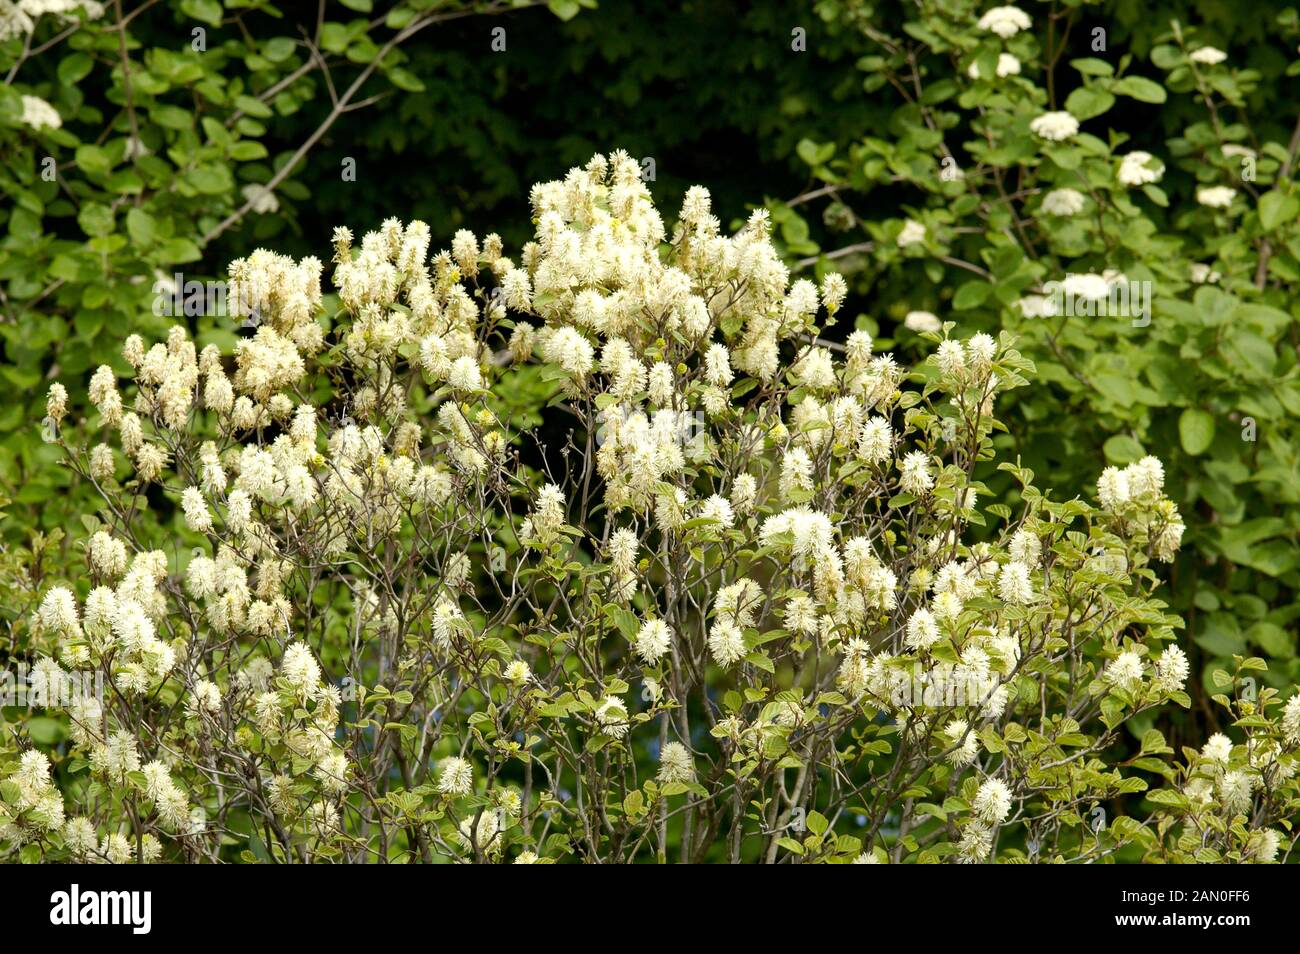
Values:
[(1139, 168), (263, 199), (922, 321), (1089, 287), (912, 233), (1202, 274), (1055, 126), (38, 114), (1236, 151), (1008, 65), (1036, 306), (993, 801), (1208, 56), (13, 21), (1004, 21), (1216, 197), (1063, 202)]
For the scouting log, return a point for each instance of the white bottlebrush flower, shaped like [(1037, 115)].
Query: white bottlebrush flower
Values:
[(1218, 749), (951, 358), (1014, 584), (611, 716), (726, 642), (653, 640), (1172, 669), (993, 801), (195, 508), (1216, 197), (922, 630), (456, 777), (1025, 547), (1054, 126), (1207, 55), (717, 365), (958, 733), (518, 672), (1125, 670), (718, 509), (1291, 718), (1005, 21), (676, 764), (1264, 844), (465, 374), (915, 474), (1235, 791), (1113, 488), (834, 290), (1139, 168), (875, 440)]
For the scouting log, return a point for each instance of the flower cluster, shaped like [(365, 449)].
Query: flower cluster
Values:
[(384, 613)]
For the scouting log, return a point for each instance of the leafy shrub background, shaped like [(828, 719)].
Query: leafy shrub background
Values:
[(459, 132)]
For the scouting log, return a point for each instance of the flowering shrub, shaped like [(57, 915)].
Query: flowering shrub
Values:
[(1131, 215), (136, 138), (727, 593)]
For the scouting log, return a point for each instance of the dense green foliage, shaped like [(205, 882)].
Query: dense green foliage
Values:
[(192, 131)]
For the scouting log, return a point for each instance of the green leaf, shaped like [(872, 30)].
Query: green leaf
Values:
[(74, 68), (206, 11), (1086, 103), (814, 154), (1273, 639), (1276, 208), (1141, 89), (405, 80), (141, 227), (971, 295), (1196, 430), (1122, 449)]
